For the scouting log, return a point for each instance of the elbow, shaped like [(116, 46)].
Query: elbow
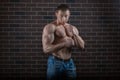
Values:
[(83, 45), (46, 51)]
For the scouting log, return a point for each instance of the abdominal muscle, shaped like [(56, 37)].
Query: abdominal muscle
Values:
[(64, 53)]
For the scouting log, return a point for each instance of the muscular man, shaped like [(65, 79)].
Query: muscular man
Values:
[(57, 39)]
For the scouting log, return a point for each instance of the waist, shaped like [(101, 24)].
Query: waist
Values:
[(60, 59)]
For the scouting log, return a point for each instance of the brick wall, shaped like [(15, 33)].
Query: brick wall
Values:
[(21, 25)]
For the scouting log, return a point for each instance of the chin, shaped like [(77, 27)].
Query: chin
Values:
[(62, 23)]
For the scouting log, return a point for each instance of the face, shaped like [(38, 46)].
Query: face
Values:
[(62, 16)]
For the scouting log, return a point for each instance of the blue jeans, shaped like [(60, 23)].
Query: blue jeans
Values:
[(60, 69)]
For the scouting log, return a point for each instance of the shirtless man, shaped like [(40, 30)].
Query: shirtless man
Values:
[(57, 39)]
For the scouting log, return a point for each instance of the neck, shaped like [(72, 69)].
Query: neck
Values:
[(58, 23)]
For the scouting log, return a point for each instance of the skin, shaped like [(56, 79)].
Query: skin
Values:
[(59, 37)]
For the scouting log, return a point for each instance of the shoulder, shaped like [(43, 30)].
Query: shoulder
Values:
[(75, 30), (49, 27), (74, 27)]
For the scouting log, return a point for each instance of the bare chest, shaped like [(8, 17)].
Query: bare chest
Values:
[(64, 31)]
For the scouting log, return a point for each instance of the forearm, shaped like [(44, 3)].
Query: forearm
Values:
[(54, 48), (79, 42)]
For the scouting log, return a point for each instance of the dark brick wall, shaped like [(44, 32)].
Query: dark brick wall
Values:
[(21, 25)]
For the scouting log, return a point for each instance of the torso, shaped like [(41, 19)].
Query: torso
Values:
[(60, 33)]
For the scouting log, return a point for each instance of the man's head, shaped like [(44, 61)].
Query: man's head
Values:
[(62, 13)]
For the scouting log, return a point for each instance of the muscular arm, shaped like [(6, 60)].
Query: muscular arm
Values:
[(48, 38), (79, 42)]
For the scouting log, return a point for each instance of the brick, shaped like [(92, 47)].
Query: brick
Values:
[(70, 1), (14, 0), (19, 13)]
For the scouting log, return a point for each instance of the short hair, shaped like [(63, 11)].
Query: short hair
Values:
[(62, 7)]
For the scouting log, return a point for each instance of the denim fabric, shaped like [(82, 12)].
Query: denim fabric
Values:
[(60, 70)]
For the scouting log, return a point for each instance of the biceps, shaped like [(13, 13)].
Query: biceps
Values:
[(48, 39)]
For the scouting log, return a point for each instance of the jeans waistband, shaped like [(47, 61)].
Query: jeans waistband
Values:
[(57, 58)]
